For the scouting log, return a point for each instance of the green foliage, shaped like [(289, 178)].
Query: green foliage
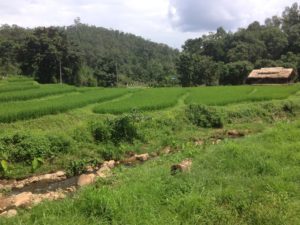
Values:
[(236, 73), (197, 70), (36, 163), (29, 148), (76, 167), (262, 45), (46, 52), (101, 131), (116, 130), (204, 116), (4, 166), (124, 129), (250, 181)]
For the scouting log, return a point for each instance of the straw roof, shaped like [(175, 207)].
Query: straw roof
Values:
[(272, 72)]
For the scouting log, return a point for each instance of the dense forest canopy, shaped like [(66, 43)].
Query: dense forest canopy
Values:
[(85, 55), (227, 58), (88, 55)]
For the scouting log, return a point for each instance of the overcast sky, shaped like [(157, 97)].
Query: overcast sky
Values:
[(165, 21)]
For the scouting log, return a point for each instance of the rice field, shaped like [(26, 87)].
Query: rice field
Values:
[(44, 90), (17, 86), (223, 95), (143, 100), (20, 110), (22, 99)]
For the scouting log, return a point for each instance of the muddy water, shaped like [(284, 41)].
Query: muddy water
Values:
[(44, 186)]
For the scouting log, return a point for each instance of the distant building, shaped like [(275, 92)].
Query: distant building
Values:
[(272, 75)]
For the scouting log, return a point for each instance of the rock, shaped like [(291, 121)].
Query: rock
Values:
[(153, 154), (22, 199), (10, 213), (184, 166), (111, 163), (19, 186), (199, 142), (60, 174), (129, 161), (5, 203), (71, 189), (89, 169), (216, 141), (103, 172), (142, 157), (235, 133), (86, 179), (166, 150)]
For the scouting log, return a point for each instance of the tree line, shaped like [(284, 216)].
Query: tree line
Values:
[(226, 58), (87, 55)]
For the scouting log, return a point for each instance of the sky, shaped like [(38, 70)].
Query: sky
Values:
[(165, 21)]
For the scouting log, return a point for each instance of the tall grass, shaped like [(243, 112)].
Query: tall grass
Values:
[(143, 100), (14, 111), (250, 181), (44, 90), (223, 95)]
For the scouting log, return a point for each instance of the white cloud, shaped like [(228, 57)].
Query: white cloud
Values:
[(199, 15), (166, 21)]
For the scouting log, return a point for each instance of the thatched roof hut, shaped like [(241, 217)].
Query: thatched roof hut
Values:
[(272, 75)]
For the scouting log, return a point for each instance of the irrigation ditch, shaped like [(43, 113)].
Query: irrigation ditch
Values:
[(31, 191)]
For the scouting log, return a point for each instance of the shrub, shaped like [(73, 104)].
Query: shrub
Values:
[(124, 129), (76, 167), (26, 147), (116, 131), (204, 116), (101, 131), (59, 144)]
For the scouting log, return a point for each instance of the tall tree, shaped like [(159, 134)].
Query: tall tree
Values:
[(49, 56)]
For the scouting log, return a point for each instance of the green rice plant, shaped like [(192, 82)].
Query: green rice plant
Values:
[(223, 95), (44, 90), (18, 86), (143, 100), (13, 111)]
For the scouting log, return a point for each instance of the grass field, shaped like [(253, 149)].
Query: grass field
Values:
[(251, 180)]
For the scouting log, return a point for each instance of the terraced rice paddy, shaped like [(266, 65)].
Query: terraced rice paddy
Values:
[(54, 98), (143, 100), (43, 90), (223, 95), (21, 110)]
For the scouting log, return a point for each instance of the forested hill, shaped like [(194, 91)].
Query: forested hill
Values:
[(136, 59), (223, 57), (88, 55)]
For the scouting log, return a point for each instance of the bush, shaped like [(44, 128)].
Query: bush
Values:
[(204, 116), (116, 131), (26, 147), (101, 131), (59, 144), (124, 129), (76, 167)]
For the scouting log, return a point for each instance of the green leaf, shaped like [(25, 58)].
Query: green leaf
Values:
[(36, 163), (4, 165)]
